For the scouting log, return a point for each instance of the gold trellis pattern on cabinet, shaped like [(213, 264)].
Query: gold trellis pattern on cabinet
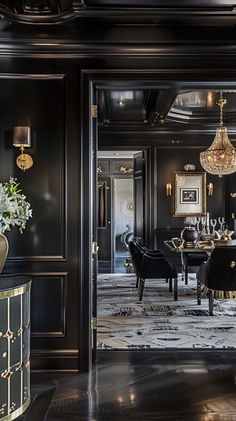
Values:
[(14, 350)]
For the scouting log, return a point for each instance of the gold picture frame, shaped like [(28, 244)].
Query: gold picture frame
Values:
[(189, 193)]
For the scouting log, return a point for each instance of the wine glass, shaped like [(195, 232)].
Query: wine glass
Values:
[(203, 220), (213, 223), (221, 221), (198, 221)]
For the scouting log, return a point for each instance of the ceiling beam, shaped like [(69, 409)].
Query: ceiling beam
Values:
[(160, 104)]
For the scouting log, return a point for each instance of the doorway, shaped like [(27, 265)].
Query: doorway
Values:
[(181, 148), (116, 209)]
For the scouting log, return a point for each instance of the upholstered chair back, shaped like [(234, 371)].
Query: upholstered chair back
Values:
[(221, 269)]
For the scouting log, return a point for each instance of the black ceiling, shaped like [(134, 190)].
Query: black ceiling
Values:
[(164, 108), (199, 12)]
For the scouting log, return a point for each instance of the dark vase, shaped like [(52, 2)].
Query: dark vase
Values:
[(189, 235)]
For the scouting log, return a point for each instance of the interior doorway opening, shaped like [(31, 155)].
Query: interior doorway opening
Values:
[(116, 210), (158, 321)]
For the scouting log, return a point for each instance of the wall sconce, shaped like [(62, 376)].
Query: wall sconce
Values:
[(22, 140), (168, 189), (210, 189), (126, 170)]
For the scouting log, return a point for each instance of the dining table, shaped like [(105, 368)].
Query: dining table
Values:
[(176, 245)]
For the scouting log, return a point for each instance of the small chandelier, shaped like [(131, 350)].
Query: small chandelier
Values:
[(220, 157)]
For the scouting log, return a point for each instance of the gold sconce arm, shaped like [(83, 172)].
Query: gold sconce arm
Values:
[(168, 189), (210, 189)]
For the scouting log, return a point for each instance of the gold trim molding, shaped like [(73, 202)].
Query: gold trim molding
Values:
[(15, 291), (17, 413)]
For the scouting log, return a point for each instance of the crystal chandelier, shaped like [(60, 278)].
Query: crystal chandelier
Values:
[(220, 157)]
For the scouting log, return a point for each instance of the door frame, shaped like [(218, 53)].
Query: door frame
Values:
[(110, 78)]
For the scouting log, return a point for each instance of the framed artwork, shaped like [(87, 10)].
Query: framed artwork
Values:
[(189, 193)]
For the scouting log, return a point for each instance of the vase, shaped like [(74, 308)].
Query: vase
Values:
[(3, 250), (189, 235)]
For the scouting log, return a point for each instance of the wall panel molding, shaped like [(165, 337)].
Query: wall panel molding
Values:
[(62, 286), (60, 148)]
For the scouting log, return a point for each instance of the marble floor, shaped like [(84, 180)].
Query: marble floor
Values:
[(146, 386)]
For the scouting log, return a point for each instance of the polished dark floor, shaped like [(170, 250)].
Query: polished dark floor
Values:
[(145, 386)]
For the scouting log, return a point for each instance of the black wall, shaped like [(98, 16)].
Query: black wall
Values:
[(44, 80), (167, 161), (162, 162), (46, 250)]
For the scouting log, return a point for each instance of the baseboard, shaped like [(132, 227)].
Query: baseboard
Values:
[(51, 360), (165, 356)]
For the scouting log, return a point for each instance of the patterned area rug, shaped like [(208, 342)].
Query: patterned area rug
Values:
[(158, 321)]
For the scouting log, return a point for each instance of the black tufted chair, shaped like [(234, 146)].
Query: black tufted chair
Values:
[(139, 242), (219, 272), (135, 248), (152, 265)]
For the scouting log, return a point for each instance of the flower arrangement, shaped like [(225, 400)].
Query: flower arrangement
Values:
[(14, 210)]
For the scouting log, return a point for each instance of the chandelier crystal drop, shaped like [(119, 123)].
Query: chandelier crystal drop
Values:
[(220, 157)]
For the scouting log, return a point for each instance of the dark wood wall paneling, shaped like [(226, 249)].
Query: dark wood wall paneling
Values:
[(43, 250)]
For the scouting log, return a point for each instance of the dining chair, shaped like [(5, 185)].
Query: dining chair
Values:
[(218, 273)]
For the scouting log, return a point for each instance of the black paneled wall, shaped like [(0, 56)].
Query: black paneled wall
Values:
[(173, 159), (43, 251), (167, 161)]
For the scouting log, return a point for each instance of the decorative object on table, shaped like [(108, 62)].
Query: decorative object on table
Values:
[(208, 237), (220, 157), (198, 222), (189, 193), (203, 221), (189, 167), (190, 220), (22, 140), (15, 211), (14, 346), (224, 236), (176, 242), (213, 223), (221, 221), (190, 236)]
